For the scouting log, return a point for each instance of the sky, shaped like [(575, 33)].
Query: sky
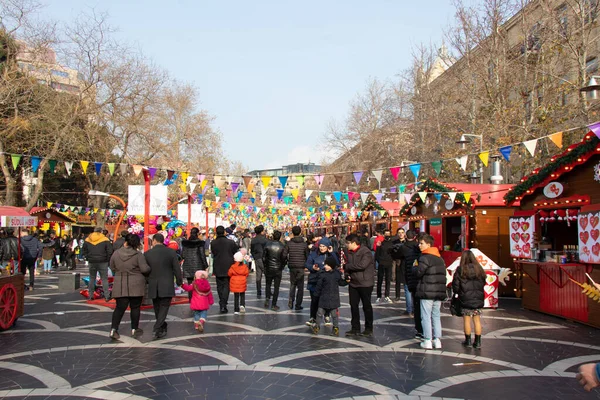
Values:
[(273, 73)]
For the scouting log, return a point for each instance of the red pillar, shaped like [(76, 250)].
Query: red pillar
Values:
[(189, 218), (146, 207)]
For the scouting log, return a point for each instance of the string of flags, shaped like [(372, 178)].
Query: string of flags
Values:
[(187, 184)]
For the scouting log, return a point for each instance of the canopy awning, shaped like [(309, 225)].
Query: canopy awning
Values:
[(16, 217)]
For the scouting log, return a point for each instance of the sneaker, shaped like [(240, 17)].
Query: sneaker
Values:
[(378, 300), (135, 333), (327, 321), (290, 304), (437, 343), (352, 332), (315, 328), (236, 313), (336, 331), (200, 327), (242, 309), (114, 334), (310, 322), (298, 308), (426, 344), (419, 336), (275, 308), (397, 299), (388, 300), (367, 333), (412, 315), (266, 305)]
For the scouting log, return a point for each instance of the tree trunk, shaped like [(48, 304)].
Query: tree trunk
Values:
[(10, 198)]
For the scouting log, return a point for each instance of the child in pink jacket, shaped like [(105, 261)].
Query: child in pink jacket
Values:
[(202, 298)]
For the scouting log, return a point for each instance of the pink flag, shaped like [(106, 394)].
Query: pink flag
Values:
[(395, 172)]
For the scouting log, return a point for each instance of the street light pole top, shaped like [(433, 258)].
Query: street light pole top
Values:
[(97, 193)]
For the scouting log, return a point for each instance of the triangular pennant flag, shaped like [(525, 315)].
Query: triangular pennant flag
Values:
[(203, 183), (328, 198), (423, 196), (484, 157), (193, 187), (339, 179), (123, 168), (357, 176), (283, 180), (234, 186), (462, 161), (530, 145), (247, 179), (407, 197), (84, 165), (200, 177), (69, 167), (557, 139), (505, 151), (111, 168), (184, 177), (138, 168), (307, 194), (250, 186), (49, 204), (395, 171), (52, 164), (266, 180), (152, 172), (437, 167), (319, 179), (438, 196), (595, 128), (183, 188), (364, 197), (300, 180), (15, 158), (280, 193), (337, 196), (415, 169), (263, 198), (219, 180), (318, 198), (295, 192), (377, 173), (452, 196), (467, 196), (98, 166), (35, 163), (217, 190), (378, 196), (402, 188)]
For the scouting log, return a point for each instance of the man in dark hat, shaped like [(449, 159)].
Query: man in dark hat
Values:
[(120, 241)]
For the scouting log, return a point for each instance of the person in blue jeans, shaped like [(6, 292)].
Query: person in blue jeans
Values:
[(431, 290)]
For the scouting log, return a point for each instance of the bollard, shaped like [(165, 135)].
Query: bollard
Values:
[(69, 282)]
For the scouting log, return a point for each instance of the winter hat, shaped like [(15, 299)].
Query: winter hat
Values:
[(325, 242), (238, 257), (331, 261), (200, 274)]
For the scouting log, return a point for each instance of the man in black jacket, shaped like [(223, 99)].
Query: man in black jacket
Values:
[(398, 271), (222, 250), (120, 241), (361, 269), (257, 247), (383, 256), (274, 258), (165, 269), (97, 250), (32, 250), (297, 254), (431, 290), (410, 253), (9, 252)]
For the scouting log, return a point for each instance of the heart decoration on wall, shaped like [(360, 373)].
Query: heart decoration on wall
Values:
[(521, 236), (589, 237)]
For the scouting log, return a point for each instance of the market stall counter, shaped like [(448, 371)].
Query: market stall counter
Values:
[(555, 234)]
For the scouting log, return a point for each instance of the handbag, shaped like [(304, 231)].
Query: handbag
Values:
[(456, 306)]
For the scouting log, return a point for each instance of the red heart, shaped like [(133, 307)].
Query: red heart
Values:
[(527, 249), (583, 222), (525, 226), (586, 251), (515, 225), (525, 237), (596, 249), (584, 236), (515, 237), (594, 220), (595, 233), (493, 301)]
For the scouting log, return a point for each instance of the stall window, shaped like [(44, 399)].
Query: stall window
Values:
[(452, 232)]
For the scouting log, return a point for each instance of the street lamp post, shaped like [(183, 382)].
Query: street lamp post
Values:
[(464, 141), (120, 200)]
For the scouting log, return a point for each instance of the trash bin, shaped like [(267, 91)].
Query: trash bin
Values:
[(69, 282)]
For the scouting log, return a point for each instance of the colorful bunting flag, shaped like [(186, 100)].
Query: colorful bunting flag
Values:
[(557, 138), (530, 146), (98, 166), (319, 179), (462, 161), (484, 157), (234, 186), (402, 188), (595, 128), (15, 158), (123, 168), (152, 172), (138, 168), (357, 176), (52, 164), (35, 163), (338, 196), (452, 196), (437, 167), (307, 194), (339, 179), (283, 180), (84, 165), (395, 171), (69, 167), (300, 180), (467, 196), (415, 169), (111, 168), (364, 197), (280, 193), (266, 180), (247, 179), (377, 173), (423, 196), (505, 151)]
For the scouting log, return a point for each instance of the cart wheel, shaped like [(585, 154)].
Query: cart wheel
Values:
[(8, 306)]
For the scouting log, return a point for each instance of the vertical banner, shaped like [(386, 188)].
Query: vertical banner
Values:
[(158, 200), (521, 236), (198, 216)]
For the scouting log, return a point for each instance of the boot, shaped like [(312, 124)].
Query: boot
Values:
[(477, 342), (467, 342)]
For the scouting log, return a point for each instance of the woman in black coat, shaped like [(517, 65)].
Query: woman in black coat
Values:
[(468, 283), (194, 256)]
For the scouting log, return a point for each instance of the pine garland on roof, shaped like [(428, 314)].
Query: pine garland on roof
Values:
[(431, 185)]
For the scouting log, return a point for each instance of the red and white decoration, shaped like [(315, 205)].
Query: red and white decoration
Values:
[(589, 235), (521, 236)]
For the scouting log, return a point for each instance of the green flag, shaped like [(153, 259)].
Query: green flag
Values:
[(16, 158), (52, 164), (111, 168), (437, 167)]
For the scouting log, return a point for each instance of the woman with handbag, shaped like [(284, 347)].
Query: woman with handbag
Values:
[(467, 286)]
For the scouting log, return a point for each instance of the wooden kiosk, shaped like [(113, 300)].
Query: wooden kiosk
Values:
[(555, 235), (464, 215)]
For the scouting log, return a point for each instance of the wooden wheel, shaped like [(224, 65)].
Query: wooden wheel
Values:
[(8, 306)]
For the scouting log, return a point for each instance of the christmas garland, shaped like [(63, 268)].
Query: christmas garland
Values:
[(575, 155), (432, 185)]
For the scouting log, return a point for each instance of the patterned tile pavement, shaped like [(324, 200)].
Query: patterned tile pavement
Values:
[(60, 350)]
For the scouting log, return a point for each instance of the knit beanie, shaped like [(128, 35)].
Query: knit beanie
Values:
[(325, 242), (238, 257), (331, 261)]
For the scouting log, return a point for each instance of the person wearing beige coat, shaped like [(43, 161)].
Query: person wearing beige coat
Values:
[(130, 269)]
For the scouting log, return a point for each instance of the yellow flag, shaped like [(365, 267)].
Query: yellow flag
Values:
[(137, 169), (203, 183), (484, 157), (183, 187), (48, 204), (295, 193), (184, 176), (266, 180), (84, 165), (318, 198), (250, 187), (557, 139), (467, 196)]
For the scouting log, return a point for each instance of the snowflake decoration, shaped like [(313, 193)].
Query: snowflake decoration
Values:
[(597, 172)]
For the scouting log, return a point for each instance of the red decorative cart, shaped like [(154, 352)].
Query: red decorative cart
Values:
[(12, 287)]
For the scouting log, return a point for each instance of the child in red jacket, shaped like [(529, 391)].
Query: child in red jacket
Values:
[(238, 274), (202, 298)]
